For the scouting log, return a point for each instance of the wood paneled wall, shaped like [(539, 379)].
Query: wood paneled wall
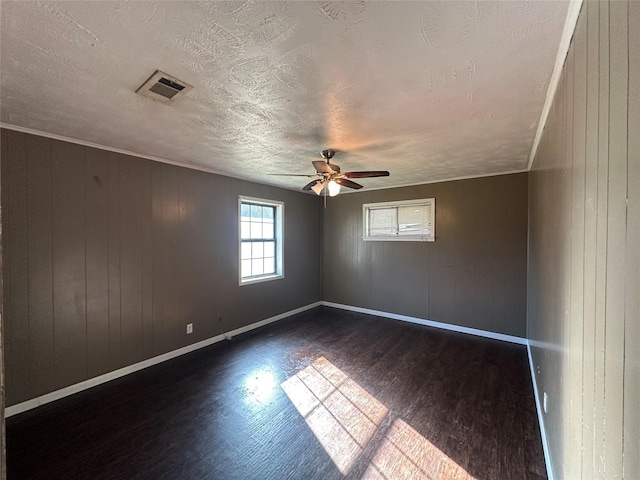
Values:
[(109, 256), (473, 275), (584, 244), (3, 463)]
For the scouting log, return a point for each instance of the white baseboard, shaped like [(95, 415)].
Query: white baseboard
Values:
[(431, 323), (543, 433), (92, 382)]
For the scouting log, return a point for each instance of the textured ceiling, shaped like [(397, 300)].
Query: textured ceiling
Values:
[(427, 90)]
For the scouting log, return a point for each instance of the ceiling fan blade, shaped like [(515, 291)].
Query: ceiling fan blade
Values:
[(293, 174), (378, 173), (348, 183), (308, 186), (323, 167)]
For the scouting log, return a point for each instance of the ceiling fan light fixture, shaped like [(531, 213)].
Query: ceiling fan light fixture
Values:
[(334, 188), (317, 188), (328, 178)]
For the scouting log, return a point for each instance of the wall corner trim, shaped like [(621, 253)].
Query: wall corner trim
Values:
[(543, 434), (565, 42), (431, 323), (92, 382)]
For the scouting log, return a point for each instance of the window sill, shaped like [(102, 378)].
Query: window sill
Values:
[(398, 239), (266, 278)]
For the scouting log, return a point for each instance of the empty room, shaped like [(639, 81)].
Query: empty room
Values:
[(364, 240)]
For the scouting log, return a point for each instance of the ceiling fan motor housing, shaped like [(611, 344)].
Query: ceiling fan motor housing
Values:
[(328, 154)]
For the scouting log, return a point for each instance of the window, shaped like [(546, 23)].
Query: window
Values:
[(260, 240), (409, 220)]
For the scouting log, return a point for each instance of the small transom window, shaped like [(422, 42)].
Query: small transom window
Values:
[(408, 220)]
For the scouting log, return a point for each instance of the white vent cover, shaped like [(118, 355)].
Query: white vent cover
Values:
[(163, 88)]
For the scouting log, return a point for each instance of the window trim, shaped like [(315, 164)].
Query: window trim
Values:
[(431, 202), (278, 228)]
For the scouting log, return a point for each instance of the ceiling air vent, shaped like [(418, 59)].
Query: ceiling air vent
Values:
[(163, 88)]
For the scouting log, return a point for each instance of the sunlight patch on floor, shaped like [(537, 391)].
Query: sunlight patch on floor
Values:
[(344, 417), (341, 414), (404, 454)]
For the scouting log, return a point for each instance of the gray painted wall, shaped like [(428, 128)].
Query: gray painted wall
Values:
[(473, 275), (108, 257), (584, 263)]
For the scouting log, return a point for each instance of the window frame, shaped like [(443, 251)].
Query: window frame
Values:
[(278, 233), (367, 207)]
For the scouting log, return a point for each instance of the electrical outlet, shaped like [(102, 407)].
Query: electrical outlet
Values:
[(189, 328), (545, 402)]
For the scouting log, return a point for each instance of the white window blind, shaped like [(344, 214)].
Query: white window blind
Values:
[(405, 220)]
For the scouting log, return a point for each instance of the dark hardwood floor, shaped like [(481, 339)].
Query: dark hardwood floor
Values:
[(326, 394)]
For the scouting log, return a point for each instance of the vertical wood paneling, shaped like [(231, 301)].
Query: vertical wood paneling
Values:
[(565, 205), (4, 342), (378, 258), (191, 250), (616, 237), (359, 259), (169, 256), (113, 226), (3, 461), (185, 280), (16, 283), (361, 263), (131, 260), (226, 251), (631, 446), (512, 231), (592, 357), (97, 262), (338, 237), (601, 234), (147, 258), (556, 273), (332, 245), (590, 230), (214, 295), (443, 280), (202, 298), (156, 267), (40, 269), (465, 298), (565, 265), (577, 239), (362, 287), (69, 275)]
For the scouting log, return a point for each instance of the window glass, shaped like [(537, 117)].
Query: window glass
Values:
[(404, 220), (260, 240)]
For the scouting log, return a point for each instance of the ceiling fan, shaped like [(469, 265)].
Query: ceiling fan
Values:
[(328, 177)]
